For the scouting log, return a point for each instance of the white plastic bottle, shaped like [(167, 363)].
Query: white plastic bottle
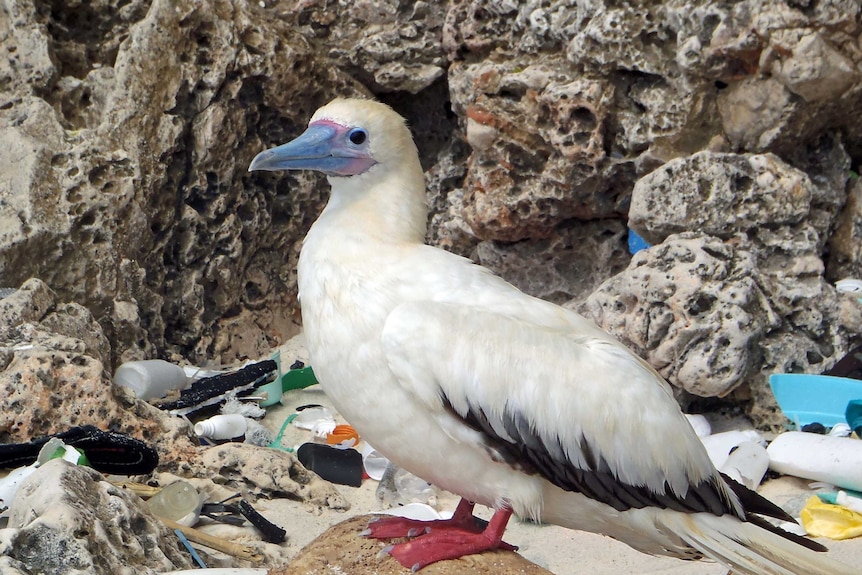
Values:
[(835, 460), (150, 378), (225, 426)]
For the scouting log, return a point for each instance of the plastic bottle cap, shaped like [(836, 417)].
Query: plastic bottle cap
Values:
[(342, 436)]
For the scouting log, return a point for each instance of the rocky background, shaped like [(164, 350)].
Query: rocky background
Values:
[(724, 133)]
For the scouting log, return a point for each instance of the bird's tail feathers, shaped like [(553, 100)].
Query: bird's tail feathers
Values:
[(749, 548)]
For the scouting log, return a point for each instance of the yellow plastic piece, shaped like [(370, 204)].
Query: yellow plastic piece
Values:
[(833, 521)]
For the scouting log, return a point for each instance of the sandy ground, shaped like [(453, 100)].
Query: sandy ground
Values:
[(559, 550)]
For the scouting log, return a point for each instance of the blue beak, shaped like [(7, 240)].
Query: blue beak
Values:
[(319, 148)]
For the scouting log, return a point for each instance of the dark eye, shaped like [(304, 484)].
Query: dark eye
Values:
[(357, 136)]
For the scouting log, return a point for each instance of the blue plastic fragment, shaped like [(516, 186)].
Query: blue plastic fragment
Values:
[(637, 243), (808, 398)]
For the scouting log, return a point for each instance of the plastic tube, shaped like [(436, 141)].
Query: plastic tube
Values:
[(225, 426), (150, 378), (835, 460)]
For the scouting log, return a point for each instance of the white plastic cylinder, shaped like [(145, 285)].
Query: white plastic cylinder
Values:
[(225, 426), (150, 378), (699, 423), (835, 460)]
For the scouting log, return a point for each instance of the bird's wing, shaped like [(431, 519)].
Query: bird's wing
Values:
[(580, 410)]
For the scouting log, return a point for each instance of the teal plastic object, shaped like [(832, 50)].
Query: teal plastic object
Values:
[(293, 379), (806, 398)]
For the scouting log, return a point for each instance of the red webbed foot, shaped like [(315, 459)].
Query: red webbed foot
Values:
[(442, 539)]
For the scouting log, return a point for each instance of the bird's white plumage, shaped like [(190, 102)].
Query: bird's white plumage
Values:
[(410, 342)]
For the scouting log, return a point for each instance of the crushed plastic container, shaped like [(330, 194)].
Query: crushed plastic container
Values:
[(179, 501), (151, 378), (719, 445), (827, 520), (747, 463), (834, 460)]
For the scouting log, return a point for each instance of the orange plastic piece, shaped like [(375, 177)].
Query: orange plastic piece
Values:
[(343, 436)]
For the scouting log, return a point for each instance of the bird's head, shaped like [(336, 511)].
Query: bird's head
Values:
[(347, 137)]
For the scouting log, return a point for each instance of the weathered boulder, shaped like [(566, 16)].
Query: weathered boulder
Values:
[(740, 293), (69, 519)]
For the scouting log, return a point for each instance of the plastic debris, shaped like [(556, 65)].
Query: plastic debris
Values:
[(54, 448), (747, 464), (298, 377), (822, 519), (272, 533), (835, 460), (342, 436), (700, 424), (179, 501), (720, 445), (853, 416), (223, 426), (373, 462), (107, 451), (187, 544), (636, 243), (342, 466), (209, 392), (810, 398), (151, 378)]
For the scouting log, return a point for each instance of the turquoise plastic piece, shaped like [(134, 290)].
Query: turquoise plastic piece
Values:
[(293, 379), (807, 398)]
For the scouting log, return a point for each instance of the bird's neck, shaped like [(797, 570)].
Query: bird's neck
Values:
[(383, 205)]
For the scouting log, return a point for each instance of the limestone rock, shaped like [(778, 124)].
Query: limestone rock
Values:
[(69, 519), (387, 45), (125, 185), (712, 314), (267, 472), (845, 245), (51, 378), (570, 264), (342, 550), (692, 308)]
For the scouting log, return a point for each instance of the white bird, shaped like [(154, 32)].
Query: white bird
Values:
[(504, 399)]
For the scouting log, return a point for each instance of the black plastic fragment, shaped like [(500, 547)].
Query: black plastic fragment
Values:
[(342, 466), (107, 451), (211, 390), (272, 533)]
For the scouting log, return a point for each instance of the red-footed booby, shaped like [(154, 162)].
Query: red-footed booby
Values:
[(504, 399)]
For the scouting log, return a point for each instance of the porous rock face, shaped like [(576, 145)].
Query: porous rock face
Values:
[(129, 127)]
